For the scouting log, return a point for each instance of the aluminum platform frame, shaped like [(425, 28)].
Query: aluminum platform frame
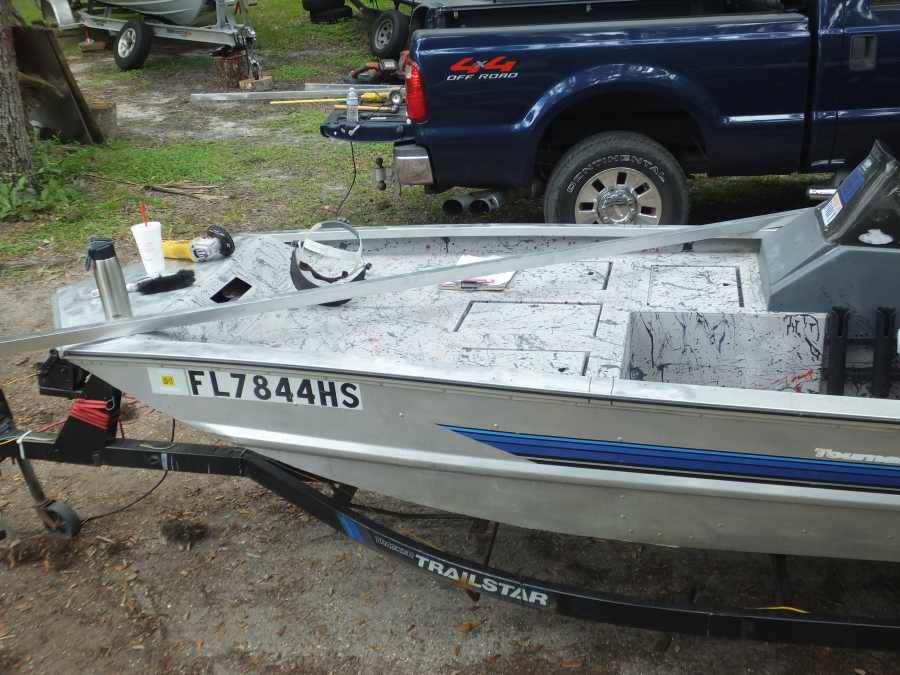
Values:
[(80, 445)]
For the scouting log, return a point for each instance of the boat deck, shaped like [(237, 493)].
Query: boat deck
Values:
[(689, 317)]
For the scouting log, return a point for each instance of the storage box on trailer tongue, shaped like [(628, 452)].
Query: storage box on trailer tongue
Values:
[(845, 253)]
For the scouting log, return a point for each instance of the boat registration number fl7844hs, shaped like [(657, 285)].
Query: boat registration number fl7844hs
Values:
[(266, 387)]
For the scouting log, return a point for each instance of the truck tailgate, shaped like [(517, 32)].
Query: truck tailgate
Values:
[(372, 127)]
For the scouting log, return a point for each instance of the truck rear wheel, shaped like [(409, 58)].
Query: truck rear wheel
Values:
[(617, 178)]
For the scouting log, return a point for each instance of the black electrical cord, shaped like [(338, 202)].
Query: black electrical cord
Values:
[(127, 506), (352, 181), (143, 496)]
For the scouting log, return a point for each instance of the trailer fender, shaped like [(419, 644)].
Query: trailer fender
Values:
[(61, 13)]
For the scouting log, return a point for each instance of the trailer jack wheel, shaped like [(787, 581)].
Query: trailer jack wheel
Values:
[(60, 519)]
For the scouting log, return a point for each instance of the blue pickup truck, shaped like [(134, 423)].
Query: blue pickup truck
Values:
[(606, 113)]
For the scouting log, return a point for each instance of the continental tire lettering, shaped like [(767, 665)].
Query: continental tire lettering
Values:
[(596, 165)]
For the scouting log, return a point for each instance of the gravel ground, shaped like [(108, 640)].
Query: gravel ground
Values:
[(216, 575)]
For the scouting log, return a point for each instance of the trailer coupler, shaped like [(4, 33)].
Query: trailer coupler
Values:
[(337, 510)]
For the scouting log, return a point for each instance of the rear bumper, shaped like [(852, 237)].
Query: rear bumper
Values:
[(376, 128), (412, 163)]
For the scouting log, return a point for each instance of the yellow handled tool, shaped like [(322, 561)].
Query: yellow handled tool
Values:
[(216, 244), (365, 97)]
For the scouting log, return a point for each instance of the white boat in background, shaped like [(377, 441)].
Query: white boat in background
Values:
[(181, 12), (169, 19)]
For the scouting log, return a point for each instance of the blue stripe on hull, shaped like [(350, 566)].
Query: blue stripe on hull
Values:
[(743, 464)]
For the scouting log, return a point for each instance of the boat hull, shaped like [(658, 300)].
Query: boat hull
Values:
[(180, 12), (672, 465)]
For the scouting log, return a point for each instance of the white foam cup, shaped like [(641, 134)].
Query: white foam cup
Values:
[(148, 238)]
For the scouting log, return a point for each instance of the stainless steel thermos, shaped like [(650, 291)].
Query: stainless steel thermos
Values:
[(101, 256)]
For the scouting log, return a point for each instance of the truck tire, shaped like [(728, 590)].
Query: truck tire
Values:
[(389, 34), (132, 45), (617, 178), (321, 5)]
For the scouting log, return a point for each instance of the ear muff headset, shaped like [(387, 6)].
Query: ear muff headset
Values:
[(315, 264)]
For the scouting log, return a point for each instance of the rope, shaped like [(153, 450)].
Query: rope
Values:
[(93, 412)]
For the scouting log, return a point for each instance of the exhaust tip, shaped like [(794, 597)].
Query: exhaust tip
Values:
[(452, 207), (479, 207), (486, 201)]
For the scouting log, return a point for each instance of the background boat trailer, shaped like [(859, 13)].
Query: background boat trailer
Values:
[(85, 443), (232, 29)]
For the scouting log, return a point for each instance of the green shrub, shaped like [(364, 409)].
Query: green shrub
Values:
[(51, 191)]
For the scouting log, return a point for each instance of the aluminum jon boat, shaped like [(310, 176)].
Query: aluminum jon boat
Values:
[(180, 12), (731, 393)]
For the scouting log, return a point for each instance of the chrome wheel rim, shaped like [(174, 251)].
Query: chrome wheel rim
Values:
[(383, 34), (618, 196), (126, 43)]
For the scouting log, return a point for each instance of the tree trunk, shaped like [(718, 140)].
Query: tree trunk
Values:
[(230, 69), (15, 137)]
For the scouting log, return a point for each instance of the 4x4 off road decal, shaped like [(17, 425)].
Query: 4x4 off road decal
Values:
[(495, 68)]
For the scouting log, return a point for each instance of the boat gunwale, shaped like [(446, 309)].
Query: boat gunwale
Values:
[(517, 230), (615, 391)]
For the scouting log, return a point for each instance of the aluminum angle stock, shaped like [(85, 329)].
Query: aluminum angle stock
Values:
[(390, 284)]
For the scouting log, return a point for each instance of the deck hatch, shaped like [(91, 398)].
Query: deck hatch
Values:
[(530, 317), (694, 287)]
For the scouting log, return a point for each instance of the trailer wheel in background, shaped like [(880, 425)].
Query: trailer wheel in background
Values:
[(331, 15), (389, 34), (48, 14), (617, 178), (313, 6), (132, 45)]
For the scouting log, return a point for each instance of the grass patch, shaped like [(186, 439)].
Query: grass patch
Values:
[(301, 72), (191, 161), (306, 120), (29, 10), (98, 206), (715, 199), (285, 25)]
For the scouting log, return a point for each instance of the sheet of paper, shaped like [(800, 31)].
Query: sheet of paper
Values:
[(491, 282)]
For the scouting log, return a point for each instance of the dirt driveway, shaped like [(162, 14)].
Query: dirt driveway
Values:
[(215, 575)]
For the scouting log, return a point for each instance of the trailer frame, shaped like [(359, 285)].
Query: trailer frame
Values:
[(225, 32)]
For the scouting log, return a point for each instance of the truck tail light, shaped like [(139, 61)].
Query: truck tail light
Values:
[(416, 106)]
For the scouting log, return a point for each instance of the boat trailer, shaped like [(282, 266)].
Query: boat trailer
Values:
[(90, 440), (231, 30)]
